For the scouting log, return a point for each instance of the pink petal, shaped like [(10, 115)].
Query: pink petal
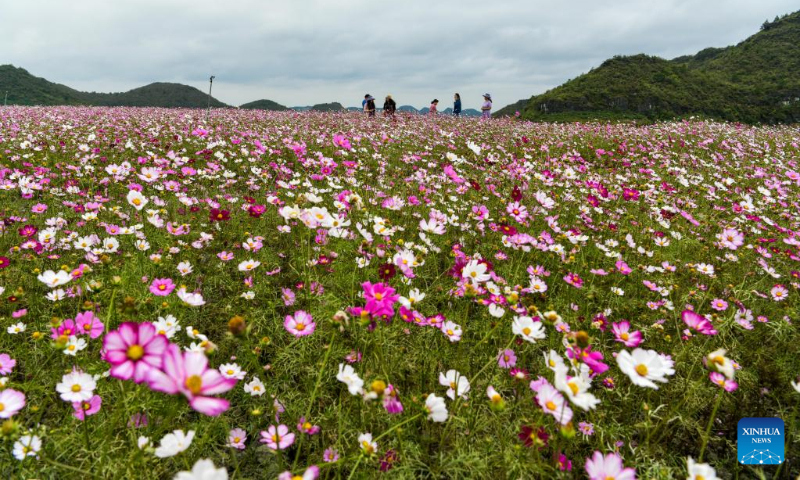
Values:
[(214, 383), (161, 382), (209, 405), (113, 341), (128, 332), (123, 371), (195, 363)]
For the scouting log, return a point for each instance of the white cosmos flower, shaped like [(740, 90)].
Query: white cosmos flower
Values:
[(576, 388), (74, 345), (174, 443), (203, 469), (349, 377), (184, 268), (644, 367), (56, 295), (475, 272), (718, 362), (529, 330), (191, 299), (137, 200), (457, 384), (54, 279), (16, 328), (366, 443), (255, 388), (27, 446), (436, 408), (232, 370), (700, 471), (248, 265), (76, 386)]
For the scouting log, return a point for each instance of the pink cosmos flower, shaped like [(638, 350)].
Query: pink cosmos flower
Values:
[(306, 427), (66, 329), (380, 299), (623, 334), (11, 402), (311, 473), (162, 287), (507, 358), (574, 279), (300, 324), (719, 304), (133, 349), (779, 293), (608, 467), (390, 400), (6, 364), (277, 438), (623, 267), (722, 381), (89, 323), (731, 238), (87, 407), (698, 322), (187, 373), (236, 438)]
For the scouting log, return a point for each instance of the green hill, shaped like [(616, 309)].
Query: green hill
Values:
[(328, 107), (264, 105), (26, 89), (757, 80)]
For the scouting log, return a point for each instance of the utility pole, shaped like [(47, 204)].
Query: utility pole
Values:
[(210, 83)]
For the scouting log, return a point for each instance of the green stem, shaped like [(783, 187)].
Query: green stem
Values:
[(396, 426), (708, 427), (54, 463), (355, 467), (86, 431), (235, 464), (314, 397)]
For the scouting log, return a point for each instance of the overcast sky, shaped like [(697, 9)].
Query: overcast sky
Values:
[(301, 52)]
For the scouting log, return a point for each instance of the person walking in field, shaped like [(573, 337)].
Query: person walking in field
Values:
[(486, 108), (457, 105), (434, 104), (389, 106), (369, 107)]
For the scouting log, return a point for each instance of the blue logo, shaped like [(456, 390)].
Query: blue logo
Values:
[(760, 441)]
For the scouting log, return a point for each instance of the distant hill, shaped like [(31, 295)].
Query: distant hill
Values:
[(264, 105), (26, 89), (327, 107), (756, 81)]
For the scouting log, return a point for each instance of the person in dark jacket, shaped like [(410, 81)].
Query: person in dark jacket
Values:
[(370, 106), (457, 105), (389, 106)]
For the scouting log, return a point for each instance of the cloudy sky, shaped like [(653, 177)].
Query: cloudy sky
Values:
[(301, 52)]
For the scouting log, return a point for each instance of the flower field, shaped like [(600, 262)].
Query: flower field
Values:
[(264, 295)]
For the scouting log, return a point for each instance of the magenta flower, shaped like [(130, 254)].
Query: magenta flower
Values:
[(306, 427), (608, 467), (380, 298), (698, 322), (723, 382), (162, 287), (89, 324), (391, 402), (86, 408), (300, 324), (11, 402), (277, 438), (6, 364), (623, 267), (133, 349), (719, 304), (623, 334), (66, 329), (330, 455), (507, 358), (574, 279), (187, 373)]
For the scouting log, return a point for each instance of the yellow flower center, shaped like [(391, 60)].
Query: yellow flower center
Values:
[(135, 352), (641, 369), (624, 336), (378, 296), (300, 326), (76, 388), (526, 331), (236, 439), (550, 405), (450, 332), (2, 407), (573, 387), (367, 447), (307, 426), (194, 384), (137, 202), (473, 274), (719, 360), (230, 372)]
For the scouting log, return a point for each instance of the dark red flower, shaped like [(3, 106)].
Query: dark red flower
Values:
[(531, 436), (386, 271), (28, 231), (516, 194), (218, 215), (388, 460), (508, 229), (4, 262), (256, 211)]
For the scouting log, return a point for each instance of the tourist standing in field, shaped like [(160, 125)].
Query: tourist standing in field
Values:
[(457, 105), (434, 104), (369, 107), (389, 106), (486, 108)]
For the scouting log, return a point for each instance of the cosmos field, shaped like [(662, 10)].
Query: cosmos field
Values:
[(269, 295)]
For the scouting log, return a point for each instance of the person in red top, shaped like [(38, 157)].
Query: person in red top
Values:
[(434, 104)]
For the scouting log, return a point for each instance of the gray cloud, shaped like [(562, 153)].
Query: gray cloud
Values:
[(310, 51)]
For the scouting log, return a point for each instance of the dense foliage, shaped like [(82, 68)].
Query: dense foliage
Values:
[(757, 80), (25, 89), (427, 297), (264, 105)]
